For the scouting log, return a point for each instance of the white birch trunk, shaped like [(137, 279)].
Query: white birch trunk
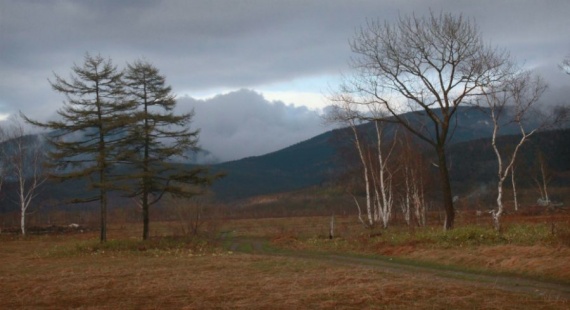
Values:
[(515, 196), (366, 180), (406, 201), (385, 186), (503, 173)]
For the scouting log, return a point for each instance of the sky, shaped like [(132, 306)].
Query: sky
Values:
[(256, 72)]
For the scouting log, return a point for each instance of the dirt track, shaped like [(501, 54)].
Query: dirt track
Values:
[(550, 290)]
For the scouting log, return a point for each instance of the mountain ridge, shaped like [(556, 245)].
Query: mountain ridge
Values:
[(312, 162), (315, 161)]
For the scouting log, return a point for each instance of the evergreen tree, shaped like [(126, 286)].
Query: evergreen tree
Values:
[(158, 136), (87, 136)]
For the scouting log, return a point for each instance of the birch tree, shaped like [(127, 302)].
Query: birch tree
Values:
[(374, 158), (23, 159), (511, 102), (412, 185), (542, 177), (429, 65)]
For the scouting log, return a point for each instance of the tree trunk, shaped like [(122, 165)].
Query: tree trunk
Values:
[(23, 222), (146, 164), (23, 206), (497, 215), (331, 231), (446, 189), (145, 215), (103, 237), (515, 198)]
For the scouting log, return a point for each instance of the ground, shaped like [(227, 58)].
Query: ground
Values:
[(277, 264)]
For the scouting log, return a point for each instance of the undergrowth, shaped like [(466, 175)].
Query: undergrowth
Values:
[(435, 237), (153, 247)]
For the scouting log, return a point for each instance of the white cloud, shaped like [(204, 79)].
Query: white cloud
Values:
[(314, 101), (244, 123)]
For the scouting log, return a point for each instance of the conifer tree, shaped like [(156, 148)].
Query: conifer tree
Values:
[(158, 137), (87, 134)]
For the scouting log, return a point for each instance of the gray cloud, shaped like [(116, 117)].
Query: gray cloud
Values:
[(220, 44), (243, 123)]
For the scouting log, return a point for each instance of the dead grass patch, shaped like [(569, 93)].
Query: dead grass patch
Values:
[(537, 260), (525, 248), (128, 280)]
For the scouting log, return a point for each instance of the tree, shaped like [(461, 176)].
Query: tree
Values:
[(511, 102), (23, 158), (542, 177), (87, 136), (412, 185), (374, 159), (428, 65), (157, 137)]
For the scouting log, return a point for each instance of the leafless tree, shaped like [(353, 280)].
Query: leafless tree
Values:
[(412, 190), (512, 102), (542, 178), (23, 157), (429, 65), (377, 175)]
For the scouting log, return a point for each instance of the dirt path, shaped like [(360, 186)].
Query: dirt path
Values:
[(550, 290)]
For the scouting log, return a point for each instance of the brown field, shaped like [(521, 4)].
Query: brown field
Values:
[(285, 263)]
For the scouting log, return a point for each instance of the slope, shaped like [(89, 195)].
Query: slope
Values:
[(315, 161)]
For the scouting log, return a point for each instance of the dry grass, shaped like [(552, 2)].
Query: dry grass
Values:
[(47, 272), (526, 249)]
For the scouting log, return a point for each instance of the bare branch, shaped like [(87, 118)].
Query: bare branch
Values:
[(428, 66)]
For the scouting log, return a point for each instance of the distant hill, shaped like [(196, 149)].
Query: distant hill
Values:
[(315, 161), (312, 162), (474, 162), (298, 166)]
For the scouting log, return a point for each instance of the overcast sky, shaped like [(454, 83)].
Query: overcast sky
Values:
[(255, 71)]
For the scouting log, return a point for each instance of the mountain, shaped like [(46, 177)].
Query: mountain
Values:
[(301, 165), (474, 163), (315, 161)]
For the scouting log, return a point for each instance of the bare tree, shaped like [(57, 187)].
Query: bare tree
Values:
[(23, 157), (428, 65), (542, 178), (377, 175), (412, 190), (511, 103)]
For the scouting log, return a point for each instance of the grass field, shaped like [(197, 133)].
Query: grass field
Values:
[(73, 271)]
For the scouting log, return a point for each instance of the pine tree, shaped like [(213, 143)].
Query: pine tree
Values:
[(86, 138), (157, 137)]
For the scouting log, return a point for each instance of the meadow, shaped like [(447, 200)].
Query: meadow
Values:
[(290, 262)]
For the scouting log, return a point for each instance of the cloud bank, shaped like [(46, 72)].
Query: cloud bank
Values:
[(243, 123), (218, 44)]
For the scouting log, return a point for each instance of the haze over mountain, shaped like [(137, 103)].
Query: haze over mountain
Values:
[(315, 161), (244, 123)]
